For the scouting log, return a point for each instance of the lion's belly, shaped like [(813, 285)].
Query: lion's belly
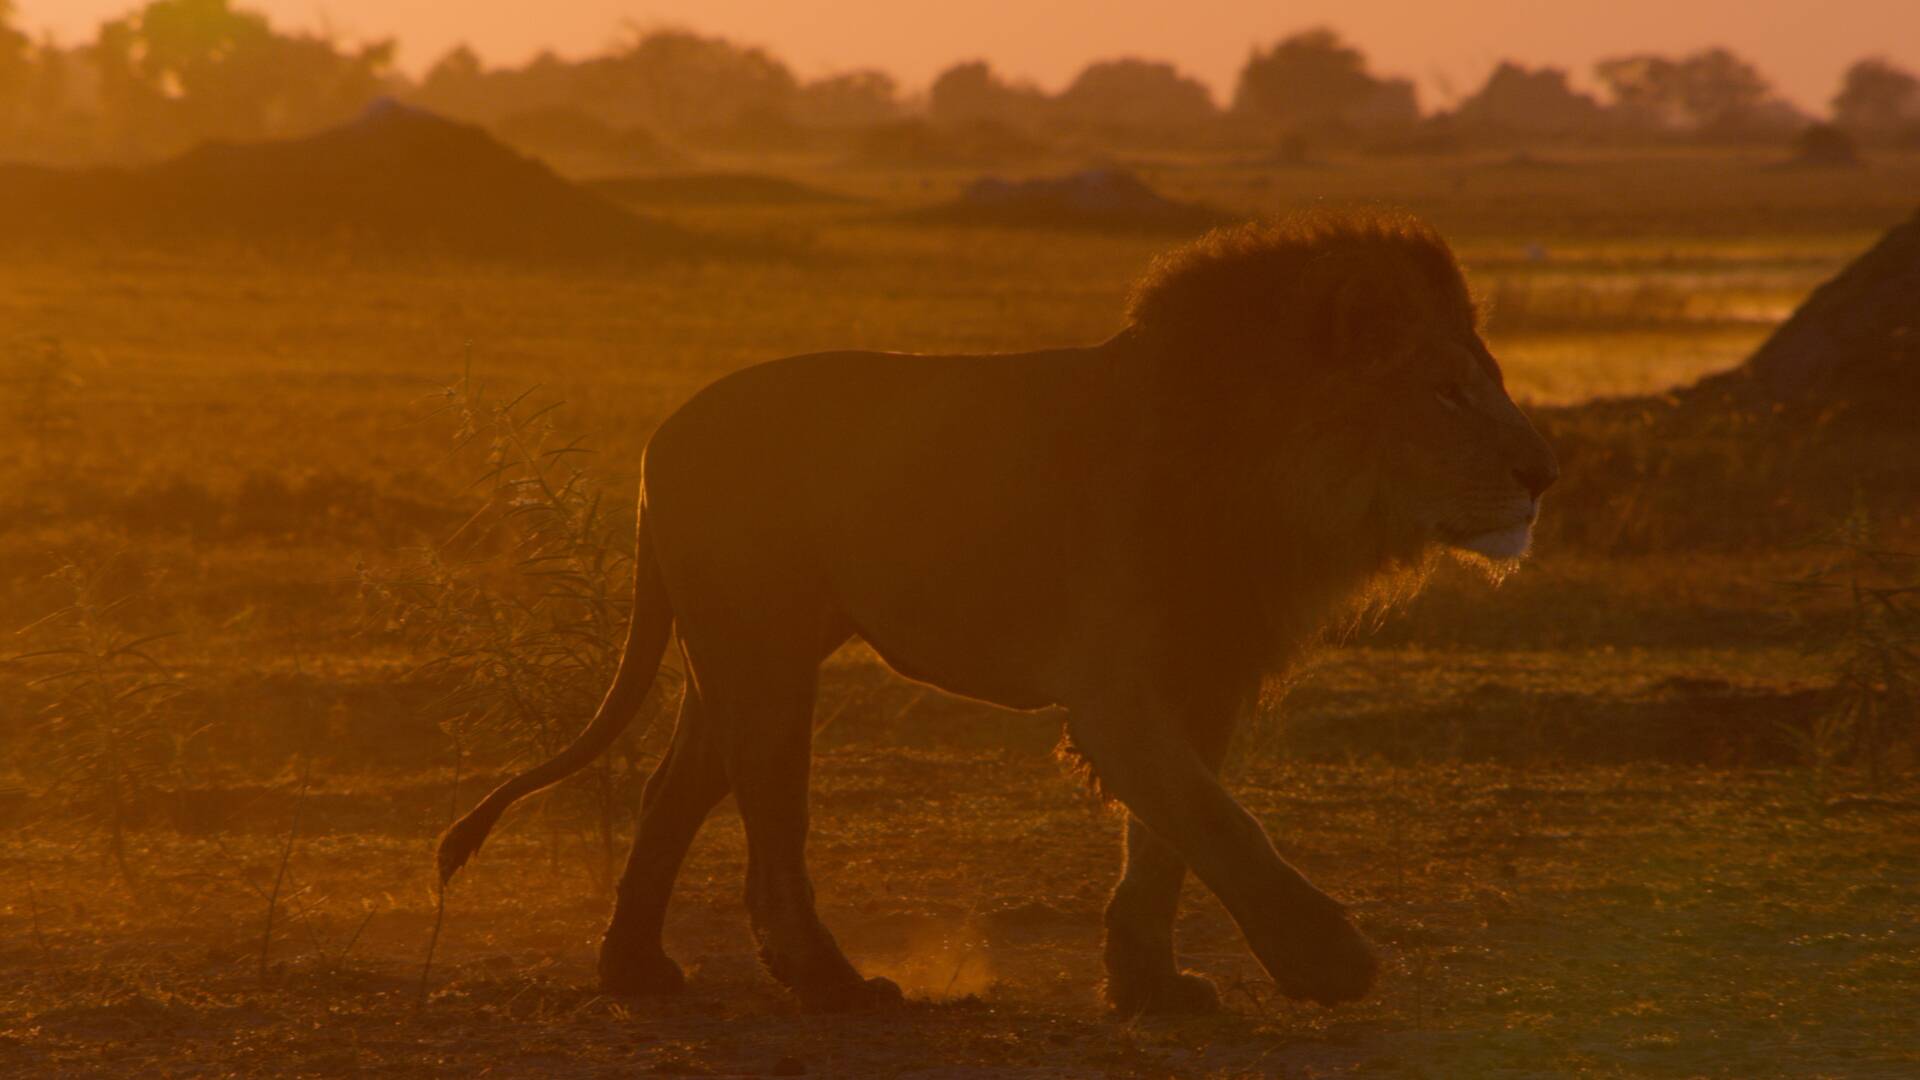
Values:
[(1010, 686)]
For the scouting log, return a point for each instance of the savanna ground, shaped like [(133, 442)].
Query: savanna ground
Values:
[(1569, 809)]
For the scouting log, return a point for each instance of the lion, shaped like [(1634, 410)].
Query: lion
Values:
[(1297, 417)]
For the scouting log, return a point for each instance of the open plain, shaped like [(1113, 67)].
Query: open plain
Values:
[(1590, 814)]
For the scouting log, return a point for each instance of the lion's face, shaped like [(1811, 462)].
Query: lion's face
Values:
[(1470, 467), (1347, 347)]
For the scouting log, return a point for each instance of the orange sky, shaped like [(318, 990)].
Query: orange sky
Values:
[(1438, 43)]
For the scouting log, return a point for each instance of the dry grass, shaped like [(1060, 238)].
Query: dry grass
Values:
[(1573, 809)]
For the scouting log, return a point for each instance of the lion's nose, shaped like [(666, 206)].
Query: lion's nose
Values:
[(1537, 478)]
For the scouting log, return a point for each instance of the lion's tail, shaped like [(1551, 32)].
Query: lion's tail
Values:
[(647, 634)]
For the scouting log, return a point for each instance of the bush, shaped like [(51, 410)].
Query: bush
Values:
[(524, 610), (1872, 650), (107, 736)]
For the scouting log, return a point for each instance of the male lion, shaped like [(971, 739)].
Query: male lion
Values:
[(1140, 531)]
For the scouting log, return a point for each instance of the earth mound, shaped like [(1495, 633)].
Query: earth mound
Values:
[(578, 142), (712, 189), (1853, 344), (1815, 427), (394, 180), (918, 144), (1112, 199)]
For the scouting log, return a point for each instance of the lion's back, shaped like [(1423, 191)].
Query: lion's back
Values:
[(845, 430), (944, 498)]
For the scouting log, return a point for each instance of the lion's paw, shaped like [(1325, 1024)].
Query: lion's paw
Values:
[(1336, 967), (628, 975), (1184, 994)]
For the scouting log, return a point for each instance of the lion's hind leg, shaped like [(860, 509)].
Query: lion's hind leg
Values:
[(684, 788), (766, 700)]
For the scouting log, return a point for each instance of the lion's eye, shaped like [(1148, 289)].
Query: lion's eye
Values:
[(1451, 395)]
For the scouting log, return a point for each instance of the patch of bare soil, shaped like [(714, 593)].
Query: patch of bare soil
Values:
[(1592, 921)]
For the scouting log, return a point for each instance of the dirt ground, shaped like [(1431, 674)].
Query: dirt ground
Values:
[(1572, 921)]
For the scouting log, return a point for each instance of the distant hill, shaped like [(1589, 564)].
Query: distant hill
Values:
[(577, 142), (1097, 199), (394, 180), (712, 189)]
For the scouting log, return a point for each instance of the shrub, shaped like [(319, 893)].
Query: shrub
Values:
[(1872, 649), (524, 609), (107, 736)]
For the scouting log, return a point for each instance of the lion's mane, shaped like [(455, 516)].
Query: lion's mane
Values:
[(1272, 345)]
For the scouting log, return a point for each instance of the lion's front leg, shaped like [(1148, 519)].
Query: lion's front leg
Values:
[(1300, 935), (1142, 974)]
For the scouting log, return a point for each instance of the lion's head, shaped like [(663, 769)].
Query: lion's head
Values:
[(1341, 356)]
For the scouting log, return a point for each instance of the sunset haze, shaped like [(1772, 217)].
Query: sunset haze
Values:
[(1447, 49), (1058, 538)]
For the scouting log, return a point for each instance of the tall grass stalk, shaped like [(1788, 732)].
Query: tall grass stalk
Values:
[(105, 735), (46, 389), (287, 847), (1871, 650)]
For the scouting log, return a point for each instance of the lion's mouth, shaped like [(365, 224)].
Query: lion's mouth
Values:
[(1507, 542)]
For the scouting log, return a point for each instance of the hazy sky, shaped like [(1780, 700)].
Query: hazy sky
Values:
[(1438, 43)]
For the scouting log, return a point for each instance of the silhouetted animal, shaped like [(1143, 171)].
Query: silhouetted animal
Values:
[(1296, 419)]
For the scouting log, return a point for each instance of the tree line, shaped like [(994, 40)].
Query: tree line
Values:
[(172, 73)]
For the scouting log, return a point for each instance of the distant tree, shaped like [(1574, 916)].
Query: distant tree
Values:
[(669, 81), (1137, 97), (1522, 102), (457, 74), (1392, 103), (49, 104), (1715, 85), (63, 83), (548, 81), (182, 70), (1315, 81), (459, 84), (849, 99), (688, 82), (1878, 99), (16, 68), (971, 93), (1712, 88), (1827, 146), (14, 44)]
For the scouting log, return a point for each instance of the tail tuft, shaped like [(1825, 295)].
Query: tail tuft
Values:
[(461, 840)]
